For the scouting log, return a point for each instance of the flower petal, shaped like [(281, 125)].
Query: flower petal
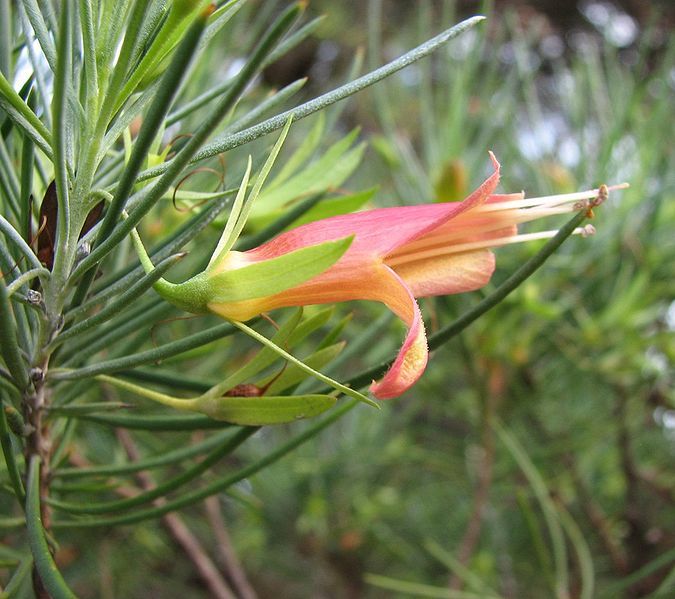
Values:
[(377, 232), (448, 273), (413, 356)]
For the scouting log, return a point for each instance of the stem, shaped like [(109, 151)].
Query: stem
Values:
[(167, 400), (54, 296), (152, 123)]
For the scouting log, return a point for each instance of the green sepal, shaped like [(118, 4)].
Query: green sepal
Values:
[(261, 411), (268, 277)]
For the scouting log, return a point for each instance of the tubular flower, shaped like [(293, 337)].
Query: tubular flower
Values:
[(395, 255)]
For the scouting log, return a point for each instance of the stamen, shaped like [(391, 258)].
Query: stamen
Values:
[(479, 245), (553, 200), (458, 228)]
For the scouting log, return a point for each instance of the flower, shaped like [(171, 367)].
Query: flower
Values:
[(390, 255)]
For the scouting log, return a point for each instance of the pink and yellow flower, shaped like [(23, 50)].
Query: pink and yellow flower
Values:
[(399, 254)]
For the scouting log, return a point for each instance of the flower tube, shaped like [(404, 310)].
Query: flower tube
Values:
[(390, 255)]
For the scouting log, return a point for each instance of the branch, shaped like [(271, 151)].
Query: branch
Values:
[(180, 533)]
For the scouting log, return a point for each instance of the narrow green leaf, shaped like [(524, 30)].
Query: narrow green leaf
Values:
[(163, 98), (276, 223), (312, 106), (20, 574), (324, 174), (163, 458), (260, 361), (616, 588), (152, 122), (149, 356), (228, 236), (473, 581), (226, 243), (264, 410), (293, 360), (5, 39), (140, 318), (311, 324), (8, 340), (14, 237), (121, 123), (87, 408), (44, 562), (61, 138), (170, 379), (217, 485), (221, 88), (173, 29), (164, 488), (10, 458), (418, 589), (303, 153), (293, 375), (27, 167), (175, 166), (89, 55), (120, 303), (23, 117), (583, 551), (41, 30), (9, 183), (538, 486), (133, 29), (155, 422)]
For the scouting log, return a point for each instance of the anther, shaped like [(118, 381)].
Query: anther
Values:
[(587, 230)]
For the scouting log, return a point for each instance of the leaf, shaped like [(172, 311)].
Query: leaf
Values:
[(293, 375), (272, 276), (227, 238), (452, 183), (242, 208), (261, 411), (262, 359), (308, 369), (303, 153), (328, 172), (310, 324)]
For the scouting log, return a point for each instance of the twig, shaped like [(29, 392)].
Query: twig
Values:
[(471, 536), (228, 557), (180, 532), (598, 518)]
